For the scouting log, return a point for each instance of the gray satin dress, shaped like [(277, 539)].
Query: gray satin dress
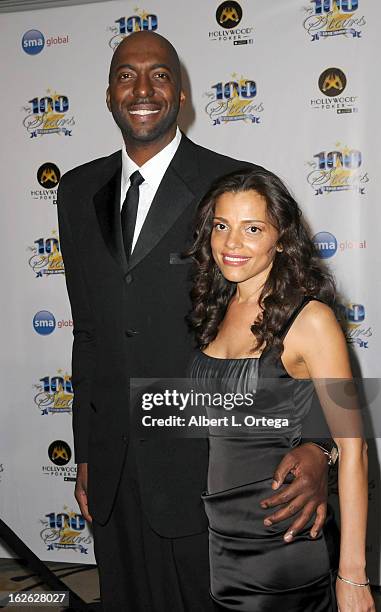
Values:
[(251, 568)]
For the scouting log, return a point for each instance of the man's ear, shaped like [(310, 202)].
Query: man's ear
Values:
[(183, 98), (108, 98)]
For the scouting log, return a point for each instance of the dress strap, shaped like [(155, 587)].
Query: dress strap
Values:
[(291, 319)]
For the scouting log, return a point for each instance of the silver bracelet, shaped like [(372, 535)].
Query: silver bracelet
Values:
[(359, 584)]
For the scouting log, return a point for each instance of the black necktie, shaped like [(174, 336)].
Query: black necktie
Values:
[(129, 211)]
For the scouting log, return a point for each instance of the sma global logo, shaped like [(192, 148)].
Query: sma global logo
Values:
[(33, 42), (44, 322), (325, 244)]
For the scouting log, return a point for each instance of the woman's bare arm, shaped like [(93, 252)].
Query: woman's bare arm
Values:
[(323, 351)]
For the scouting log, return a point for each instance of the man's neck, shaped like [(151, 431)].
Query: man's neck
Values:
[(141, 152)]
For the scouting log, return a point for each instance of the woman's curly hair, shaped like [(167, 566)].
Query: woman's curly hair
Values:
[(296, 271)]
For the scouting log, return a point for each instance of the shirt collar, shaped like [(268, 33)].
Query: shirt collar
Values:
[(154, 169)]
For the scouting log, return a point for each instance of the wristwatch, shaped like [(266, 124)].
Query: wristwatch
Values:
[(328, 447)]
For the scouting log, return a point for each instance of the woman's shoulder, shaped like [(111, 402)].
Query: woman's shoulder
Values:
[(315, 321), (318, 341), (316, 313)]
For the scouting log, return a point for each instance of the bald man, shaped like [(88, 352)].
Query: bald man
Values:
[(124, 222)]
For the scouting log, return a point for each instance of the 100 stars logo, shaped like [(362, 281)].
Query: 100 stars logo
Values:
[(234, 100)]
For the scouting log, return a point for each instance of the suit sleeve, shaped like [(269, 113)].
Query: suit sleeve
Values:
[(83, 356)]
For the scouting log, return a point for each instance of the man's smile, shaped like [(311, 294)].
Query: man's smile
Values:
[(143, 112)]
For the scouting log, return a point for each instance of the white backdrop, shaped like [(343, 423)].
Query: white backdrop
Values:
[(290, 85)]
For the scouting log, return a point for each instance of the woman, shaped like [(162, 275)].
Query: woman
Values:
[(263, 322)]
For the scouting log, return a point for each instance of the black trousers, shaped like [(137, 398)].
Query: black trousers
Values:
[(142, 571)]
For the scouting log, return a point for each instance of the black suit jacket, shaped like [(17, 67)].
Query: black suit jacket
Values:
[(129, 323)]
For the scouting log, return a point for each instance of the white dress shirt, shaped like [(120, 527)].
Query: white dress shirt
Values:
[(152, 172)]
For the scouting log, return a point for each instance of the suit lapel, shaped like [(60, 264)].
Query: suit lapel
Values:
[(107, 208), (173, 196)]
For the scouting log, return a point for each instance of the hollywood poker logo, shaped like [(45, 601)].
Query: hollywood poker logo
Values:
[(33, 41), (353, 319), (332, 83), (230, 27), (59, 454), (65, 530), (54, 394), (340, 169), (48, 176), (141, 20), (234, 100), (327, 18), (49, 114), (46, 259)]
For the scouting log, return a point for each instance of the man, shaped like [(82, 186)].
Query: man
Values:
[(124, 222)]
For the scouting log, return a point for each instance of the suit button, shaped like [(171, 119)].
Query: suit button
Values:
[(128, 279), (124, 437), (131, 332)]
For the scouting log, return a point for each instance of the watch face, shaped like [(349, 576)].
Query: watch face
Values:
[(334, 455), (328, 447)]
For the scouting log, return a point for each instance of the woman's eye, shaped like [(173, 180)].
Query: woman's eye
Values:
[(219, 226), (253, 229)]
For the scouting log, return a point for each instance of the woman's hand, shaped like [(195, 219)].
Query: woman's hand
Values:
[(352, 598)]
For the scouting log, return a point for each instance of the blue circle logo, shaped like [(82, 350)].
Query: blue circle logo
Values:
[(325, 244), (44, 322), (33, 42)]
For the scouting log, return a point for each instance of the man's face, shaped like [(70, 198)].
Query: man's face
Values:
[(144, 94)]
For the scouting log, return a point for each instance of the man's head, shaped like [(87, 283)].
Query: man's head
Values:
[(144, 93)]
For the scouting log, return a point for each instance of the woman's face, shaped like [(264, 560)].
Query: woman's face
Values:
[(243, 240)]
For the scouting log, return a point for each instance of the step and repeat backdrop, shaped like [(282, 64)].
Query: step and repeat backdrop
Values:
[(290, 85)]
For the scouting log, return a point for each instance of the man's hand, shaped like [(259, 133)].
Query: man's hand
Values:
[(305, 495), (81, 491)]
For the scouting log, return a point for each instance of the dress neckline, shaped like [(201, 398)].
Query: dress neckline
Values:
[(283, 333), (230, 358)]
